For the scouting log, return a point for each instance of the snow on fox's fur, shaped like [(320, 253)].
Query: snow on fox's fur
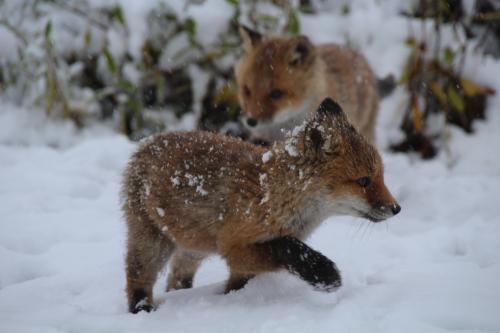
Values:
[(281, 80), (192, 194)]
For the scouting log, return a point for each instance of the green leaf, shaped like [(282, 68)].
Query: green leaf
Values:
[(87, 38), (470, 88), (491, 16), (456, 100), (48, 29), (449, 55), (345, 10), (190, 27), (443, 6), (405, 77), (266, 19), (110, 61), (293, 22), (117, 14), (50, 92), (233, 2), (66, 109), (126, 86), (438, 92), (409, 69), (410, 41)]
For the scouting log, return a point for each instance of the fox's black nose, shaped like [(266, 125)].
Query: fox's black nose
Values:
[(395, 208), (251, 122)]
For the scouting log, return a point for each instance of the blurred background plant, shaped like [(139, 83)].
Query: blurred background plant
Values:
[(73, 59), (84, 61), (438, 91)]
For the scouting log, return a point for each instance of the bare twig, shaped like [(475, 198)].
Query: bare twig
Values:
[(15, 31)]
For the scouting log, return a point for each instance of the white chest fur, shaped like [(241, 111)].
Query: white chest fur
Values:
[(320, 207)]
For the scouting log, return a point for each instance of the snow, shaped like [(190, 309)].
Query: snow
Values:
[(267, 156), (290, 149), (265, 198), (175, 181), (432, 268), (262, 179), (160, 212)]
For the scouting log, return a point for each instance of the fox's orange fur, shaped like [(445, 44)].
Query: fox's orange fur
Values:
[(281, 79), (197, 193)]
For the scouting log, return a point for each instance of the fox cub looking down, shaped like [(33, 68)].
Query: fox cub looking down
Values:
[(281, 79), (192, 194)]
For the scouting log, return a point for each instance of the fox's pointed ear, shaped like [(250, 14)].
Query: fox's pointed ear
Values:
[(251, 38), (301, 52), (326, 132), (330, 107), (320, 141), (333, 110)]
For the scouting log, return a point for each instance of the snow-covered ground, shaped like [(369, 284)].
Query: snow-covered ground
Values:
[(433, 268)]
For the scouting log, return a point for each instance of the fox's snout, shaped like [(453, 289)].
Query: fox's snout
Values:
[(381, 212), (251, 122), (395, 208)]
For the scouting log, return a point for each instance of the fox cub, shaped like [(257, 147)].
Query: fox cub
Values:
[(281, 79), (192, 194)]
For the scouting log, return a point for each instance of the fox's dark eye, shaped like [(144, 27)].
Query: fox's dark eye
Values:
[(276, 94), (246, 91), (364, 181)]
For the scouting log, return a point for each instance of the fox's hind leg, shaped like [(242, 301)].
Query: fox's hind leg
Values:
[(183, 267), (148, 249)]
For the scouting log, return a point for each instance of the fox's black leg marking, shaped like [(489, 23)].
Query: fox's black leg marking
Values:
[(140, 302), (300, 259)]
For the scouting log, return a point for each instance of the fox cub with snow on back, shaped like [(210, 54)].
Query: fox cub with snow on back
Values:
[(192, 194), (281, 79)]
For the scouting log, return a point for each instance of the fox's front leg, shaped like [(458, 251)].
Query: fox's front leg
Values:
[(283, 252), (237, 281), (299, 259)]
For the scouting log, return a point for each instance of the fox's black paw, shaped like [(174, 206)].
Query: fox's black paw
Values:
[(140, 302), (325, 276), (329, 286), (142, 306)]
